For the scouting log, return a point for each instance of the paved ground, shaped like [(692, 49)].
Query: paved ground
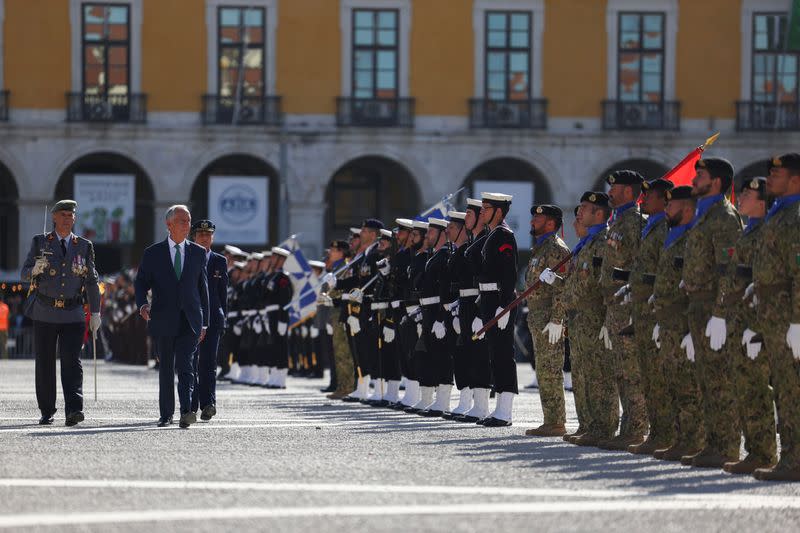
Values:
[(294, 461)]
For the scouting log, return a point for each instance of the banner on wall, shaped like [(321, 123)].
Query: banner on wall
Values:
[(519, 216), (106, 207), (238, 206)]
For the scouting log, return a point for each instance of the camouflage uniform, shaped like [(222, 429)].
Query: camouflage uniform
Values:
[(751, 377), (549, 357), (709, 247), (621, 247), (651, 359), (776, 274)]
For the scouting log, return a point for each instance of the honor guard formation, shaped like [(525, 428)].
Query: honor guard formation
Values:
[(682, 320)]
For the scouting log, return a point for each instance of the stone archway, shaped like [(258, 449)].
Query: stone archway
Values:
[(9, 220), (646, 167)]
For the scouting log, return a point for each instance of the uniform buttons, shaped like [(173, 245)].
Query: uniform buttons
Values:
[(63, 275), (63, 264), (62, 284)]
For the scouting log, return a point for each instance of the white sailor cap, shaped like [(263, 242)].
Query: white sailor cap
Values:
[(387, 234), (437, 222), (255, 256), (267, 253), (277, 250), (457, 215), (355, 231), (405, 223), (419, 224), (233, 249), (317, 264), (472, 202), (496, 197), (239, 264)]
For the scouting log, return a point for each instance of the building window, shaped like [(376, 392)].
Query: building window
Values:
[(106, 49), (640, 65), (375, 53), (775, 74), (508, 55), (241, 51)]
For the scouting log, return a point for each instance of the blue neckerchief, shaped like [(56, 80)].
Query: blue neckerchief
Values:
[(621, 209), (651, 223), (540, 240), (704, 204), (591, 232), (336, 265), (752, 222), (675, 234), (780, 203)]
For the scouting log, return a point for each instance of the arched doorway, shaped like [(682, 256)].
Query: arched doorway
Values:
[(646, 167), (120, 248), (9, 220), (369, 187), (226, 172)]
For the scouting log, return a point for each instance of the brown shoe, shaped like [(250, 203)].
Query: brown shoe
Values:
[(748, 465), (777, 473), (577, 433), (547, 430), (676, 452), (648, 447), (587, 439), (337, 395), (621, 442), (687, 458), (712, 459)]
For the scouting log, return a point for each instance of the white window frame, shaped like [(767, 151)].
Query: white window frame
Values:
[(536, 9), (670, 10), (270, 8), (135, 38), (346, 8), (749, 9)]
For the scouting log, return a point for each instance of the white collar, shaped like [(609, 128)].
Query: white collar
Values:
[(173, 243)]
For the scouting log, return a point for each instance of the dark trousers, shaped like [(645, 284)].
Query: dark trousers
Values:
[(437, 366), (473, 354), (205, 370), (501, 345), (69, 338), (176, 355)]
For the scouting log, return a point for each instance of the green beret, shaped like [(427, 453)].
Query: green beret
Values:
[(684, 192), (65, 205)]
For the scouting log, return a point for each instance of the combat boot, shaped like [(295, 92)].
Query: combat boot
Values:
[(783, 471), (577, 433), (588, 439), (547, 430), (687, 459), (676, 452), (649, 446), (621, 442), (712, 459), (748, 465)]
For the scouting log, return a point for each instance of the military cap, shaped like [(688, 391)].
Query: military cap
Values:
[(496, 197), (659, 184), (790, 161), (277, 250), (355, 232), (405, 223), (317, 264), (718, 167), (624, 177), (240, 255), (239, 264), (233, 250), (256, 256), (437, 223), (387, 234), (65, 205), (372, 223), (472, 202), (456, 216), (420, 225), (548, 210), (684, 192), (266, 253), (340, 245), (203, 225), (596, 198), (755, 184)]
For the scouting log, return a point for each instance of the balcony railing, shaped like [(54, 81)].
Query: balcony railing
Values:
[(623, 115), (375, 112), (528, 114), (3, 106), (765, 116), (248, 111), (83, 107)]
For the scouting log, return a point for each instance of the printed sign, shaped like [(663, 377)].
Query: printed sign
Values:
[(238, 206), (106, 204)]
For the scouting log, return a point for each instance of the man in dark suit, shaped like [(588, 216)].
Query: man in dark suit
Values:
[(205, 356), (174, 270)]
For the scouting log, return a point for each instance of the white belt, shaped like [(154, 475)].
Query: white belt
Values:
[(464, 293), (411, 309), (345, 297), (450, 306), (251, 312), (381, 305), (270, 309), (232, 314), (488, 287), (396, 304), (429, 301)]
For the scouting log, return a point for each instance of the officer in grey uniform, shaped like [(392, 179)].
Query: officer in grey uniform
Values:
[(60, 268)]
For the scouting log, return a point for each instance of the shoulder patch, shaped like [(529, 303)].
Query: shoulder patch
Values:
[(505, 247)]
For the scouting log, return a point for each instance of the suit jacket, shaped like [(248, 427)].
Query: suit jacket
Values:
[(64, 278), (217, 268), (170, 295)]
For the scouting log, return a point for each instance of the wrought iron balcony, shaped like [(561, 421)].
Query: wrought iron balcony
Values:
[(625, 115), (3, 106), (765, 116), (527, 114), (375, 112), (84, 107), (247, 111)]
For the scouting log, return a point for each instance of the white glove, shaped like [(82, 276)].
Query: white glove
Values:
[(547, 276), (606, 339), (237, 328), (330, 279), (419, 329), (357, 296), (682, 285), (304, 332), (752, 348), (624, 292), (457, 325), (282, 328), (439, 330), (793, 340), (717, 332), (750, 294), (503, 322), (39, 266), (688, 345), (554, 331), (258, 326), (383, 266), (94, 323), (652, 299), (314, 332), (477, 324), (329, 329), (656, 332), (354, 324), (388, 335)]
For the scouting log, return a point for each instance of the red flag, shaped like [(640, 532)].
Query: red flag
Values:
[(683, 172)]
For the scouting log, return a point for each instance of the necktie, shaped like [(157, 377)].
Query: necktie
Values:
[(63, 248), (177, 263)]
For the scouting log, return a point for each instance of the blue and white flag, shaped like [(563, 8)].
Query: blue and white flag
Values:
[(304, 282), (440, 209)]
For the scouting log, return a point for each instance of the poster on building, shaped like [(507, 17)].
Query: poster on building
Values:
[(106, 207), (519, 217), (238, 206)]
